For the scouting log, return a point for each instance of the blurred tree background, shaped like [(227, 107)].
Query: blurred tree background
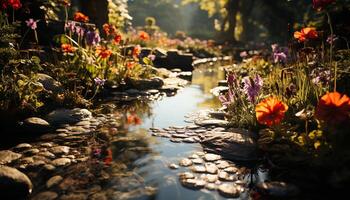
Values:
[(236, 20)]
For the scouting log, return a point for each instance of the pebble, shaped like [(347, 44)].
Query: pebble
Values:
[(211, 168), (7, 157), (211, 157), (225, 176), (23, 146), (210, 186), (173, 166), (198, 161), (53, 181), (199, 169), (186, 175), (193, 156), (47, 195), (61, 162), (189, 140), (31, 152), (193, 183), (60, 150), (186, 162), (229, 190)]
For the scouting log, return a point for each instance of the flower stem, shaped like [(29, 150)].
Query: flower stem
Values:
[(331, 50)]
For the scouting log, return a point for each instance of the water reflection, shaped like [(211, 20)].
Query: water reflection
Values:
[(148, 157)]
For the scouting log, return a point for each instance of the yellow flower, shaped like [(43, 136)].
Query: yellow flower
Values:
[(317, 144)]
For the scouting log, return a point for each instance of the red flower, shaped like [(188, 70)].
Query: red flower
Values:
[(333, 108), (67, 48), (109, 29), (136, 51), (306, 33), (103, 52), (144, 36), (320, 4), (270, 111), (117, 39), (15, 4), (134, 119), (80, 17)]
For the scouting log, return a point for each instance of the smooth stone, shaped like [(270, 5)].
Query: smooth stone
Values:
[(66, 116), (193, 127), (60, 150), (193, 183), (193, 156), (211, 178), (7, 157), (211, 168), (211, 157), (47, 154), (49, 167), (175, 140), (189, 140), (47, 195), (225, 176), (74, 197), (53, 181), (210, 186), (50, 83), (46, 144), (62, 130), (179, 136), (31, 152), (200, 131), (26, 160), (186, 175), (61, 162), (229, 190), (231, 170), (212, 122), (199, 169), (278, 189), (238, 145), (98, 196), (36, 164), (222, 164), (198, 161), (186, 162), (23, 146), (36, 125), (173, 166), (14, 184)]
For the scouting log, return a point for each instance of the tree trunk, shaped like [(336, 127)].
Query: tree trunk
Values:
[(232, 7)]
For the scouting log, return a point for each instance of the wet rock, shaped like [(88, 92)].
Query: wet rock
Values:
[(22, 147), (199, 169), (211, 178), (238, 145), (60, 150), (222, 164), (46, 144), (14, 184), (179, 136), (198, 161), (74, 197), (53, 181), (26, 160), (173, 166), (277, 189), (46, 154), (176, 140), (49, 83), (47, 195), (186, 162), (226, 176), (229, 190), (193, 183), (36, 125), (231, 170), (98, 196), (212, 122), (211, 157), (193, 156), (189, 140), (145, 84), (31, 152), (210, 186), (66, 116), (49, 167), (7, 157), (211, 168), (186, 175), (61, 162)]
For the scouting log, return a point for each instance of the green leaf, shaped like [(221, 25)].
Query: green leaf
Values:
[(36, 59), (147, 61)]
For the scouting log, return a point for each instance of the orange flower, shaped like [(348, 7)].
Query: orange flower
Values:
[(103, 52), (80, 17), (67, 48), (144, 36), (134, 119), (136, 51), (306, 33), (333, 108), (109, 29), (270, 111), (117, 39), (130, 65)]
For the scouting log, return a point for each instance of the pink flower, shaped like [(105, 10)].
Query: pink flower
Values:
[(31, 23)]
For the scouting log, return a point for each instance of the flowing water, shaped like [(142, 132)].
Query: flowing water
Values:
[(154, 154)]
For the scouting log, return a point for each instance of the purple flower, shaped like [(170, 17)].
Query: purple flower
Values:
[(151, 57), (279, 57), (227, 99), (31, 23), (331, 39), (70, 26), (320, 76), (231, 79), (92, 38), (252, 87), (243, 54), (99, 82), (80, 31)]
